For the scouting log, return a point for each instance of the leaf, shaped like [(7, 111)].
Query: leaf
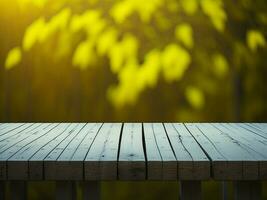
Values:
[(221, 66), (189, 6), (122, 10), (149, 71), (215, 11), (184, 33), (255, 39), (175, 61), (13, 58), (106, 40), (123, 52), (32, 33), (83, 55), (195, 97)]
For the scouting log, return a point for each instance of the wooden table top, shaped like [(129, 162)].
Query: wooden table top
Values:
[(133, 151)]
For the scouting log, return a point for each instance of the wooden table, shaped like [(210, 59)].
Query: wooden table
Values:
[(91, 152)]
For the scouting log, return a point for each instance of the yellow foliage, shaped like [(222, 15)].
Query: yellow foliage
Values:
[(214, 10), (189, 6), (147, 8), (57, 22), (134, 78), (149, 71), (85, 21), (255, 39), (195, 97), (126, 91), (32, 33), (184, 33), (221, 66), (125, 8), (175, 61), (83, 55), (122, 10), (13, 58), (39, 30), (123, 52), (106, 40)]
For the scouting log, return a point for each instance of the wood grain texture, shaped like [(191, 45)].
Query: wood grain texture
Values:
[(101, 160), (133, 151), (161, 161), (132, 163), (193, 164)]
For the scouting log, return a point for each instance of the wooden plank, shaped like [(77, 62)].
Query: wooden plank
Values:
[(91, 190), (101, 160), (20, 159), (132, 163), (247, 190), (17, 169), (14, 145), (67, 168), (12, 132), (154, 160), (230, 159), (18, 190), (254, 142), (253, 129), (190, 190), (65, 190), (9, 127), (193, 164), (51, 171), (161, 161), (21, 136), (262, 126), (36, 162)]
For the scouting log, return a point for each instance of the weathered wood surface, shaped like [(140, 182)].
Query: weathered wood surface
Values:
[(133, 151)]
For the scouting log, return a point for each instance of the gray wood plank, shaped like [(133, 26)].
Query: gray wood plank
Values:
[(154, 160), (12, 132), (132, 163), (20, 159), (69, 169), (36, 162), (161, 161), (51, 171), (258, 127), (193, 164), (17, 164), (230, 159), (253, 129), (256, 144), (22, 135), (101, 160), (10, 128), (262, 126), (16, 144)]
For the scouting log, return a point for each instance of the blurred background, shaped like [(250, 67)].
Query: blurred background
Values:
[(133, 60)]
